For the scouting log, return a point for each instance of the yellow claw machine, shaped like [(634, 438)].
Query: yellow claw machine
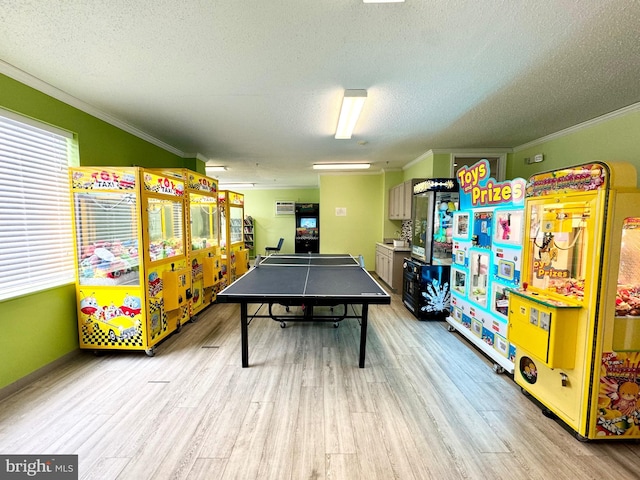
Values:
[(133, 285), (235, 257), (202, 237), (576, 318)]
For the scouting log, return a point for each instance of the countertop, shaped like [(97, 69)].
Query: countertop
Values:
[(395, 249)]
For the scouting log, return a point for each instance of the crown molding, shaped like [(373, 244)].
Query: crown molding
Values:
[(581, 126), (48, 89), (426, 154)]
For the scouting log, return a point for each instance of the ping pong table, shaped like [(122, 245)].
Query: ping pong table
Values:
[(306, 281)]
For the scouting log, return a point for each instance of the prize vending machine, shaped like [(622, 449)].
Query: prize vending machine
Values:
[(487, 257), (576, 319), (202, 237), (235, 257), (425, 285), (132, 283)]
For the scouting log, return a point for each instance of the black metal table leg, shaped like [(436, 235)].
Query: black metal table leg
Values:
[(244, 333), (363, 333)]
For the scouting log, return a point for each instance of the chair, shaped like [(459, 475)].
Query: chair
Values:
[(270, 250)]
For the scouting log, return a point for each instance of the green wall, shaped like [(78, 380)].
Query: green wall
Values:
[(431, 165), (269, 227), (39, 328), (358, 231), (420, 169), (616, 139)]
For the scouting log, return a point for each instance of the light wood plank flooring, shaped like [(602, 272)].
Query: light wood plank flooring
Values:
[(427, 406)]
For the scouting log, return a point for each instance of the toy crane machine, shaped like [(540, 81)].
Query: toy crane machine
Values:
[(576, 318), (133, 285), (202, 236)]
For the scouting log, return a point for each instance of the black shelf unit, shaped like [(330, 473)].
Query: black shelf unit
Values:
[(249, 233)]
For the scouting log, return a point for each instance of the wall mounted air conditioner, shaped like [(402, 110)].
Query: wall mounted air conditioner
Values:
[(285, 208)]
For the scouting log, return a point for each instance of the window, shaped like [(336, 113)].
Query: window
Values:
[(36, 245), (497, 163)]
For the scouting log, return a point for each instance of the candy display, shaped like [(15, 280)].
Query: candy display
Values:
[(628, 300), (568, 287)]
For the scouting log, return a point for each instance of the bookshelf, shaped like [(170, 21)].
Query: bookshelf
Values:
[(249, 235)]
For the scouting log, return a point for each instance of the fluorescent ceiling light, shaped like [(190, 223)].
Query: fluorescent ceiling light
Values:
[(232, 186), (215, 168), (341, 166), (352, 104), (383, 1)]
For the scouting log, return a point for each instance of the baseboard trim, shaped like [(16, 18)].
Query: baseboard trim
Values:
[(36, 375)]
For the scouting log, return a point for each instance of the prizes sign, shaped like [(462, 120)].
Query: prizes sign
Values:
[(478, 189)]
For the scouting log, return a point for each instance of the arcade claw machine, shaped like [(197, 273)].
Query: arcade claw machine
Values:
[(235, 257), (487, 255), (202, 237), (133, 284), (425, 283), (576, 319)]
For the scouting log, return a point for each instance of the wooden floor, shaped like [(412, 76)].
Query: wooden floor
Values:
[(427, 406)]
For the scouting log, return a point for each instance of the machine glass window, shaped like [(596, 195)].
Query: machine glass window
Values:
[(558, 246), (166, 237), (203, 215), (107, 243), (626, 330)]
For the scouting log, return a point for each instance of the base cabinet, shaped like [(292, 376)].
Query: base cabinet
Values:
[(389, 265)]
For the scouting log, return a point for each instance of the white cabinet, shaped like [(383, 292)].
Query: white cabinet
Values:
[(396, 202), (400, 200), (383, 263), (389, 265), (407, 201)]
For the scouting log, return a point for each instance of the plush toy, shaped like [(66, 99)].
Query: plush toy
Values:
[(444, 217), (505, 224)]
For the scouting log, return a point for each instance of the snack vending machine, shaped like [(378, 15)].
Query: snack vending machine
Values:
[(576, 319), (133, 285), (487, 257), (235, 257), (425, 284)]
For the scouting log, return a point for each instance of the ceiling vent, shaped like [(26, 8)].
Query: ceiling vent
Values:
[(285, 208)]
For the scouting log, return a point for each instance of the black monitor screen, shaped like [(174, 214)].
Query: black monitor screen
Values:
[(310, 222)]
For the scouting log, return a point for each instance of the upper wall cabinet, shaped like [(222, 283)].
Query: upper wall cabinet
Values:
[(400, 198), (396, 202)]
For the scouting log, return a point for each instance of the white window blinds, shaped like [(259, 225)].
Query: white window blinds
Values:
[(36, 244)]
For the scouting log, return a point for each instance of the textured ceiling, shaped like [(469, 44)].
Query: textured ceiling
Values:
[(257, 85)]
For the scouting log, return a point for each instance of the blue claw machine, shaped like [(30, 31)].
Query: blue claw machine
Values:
[(425, 283)]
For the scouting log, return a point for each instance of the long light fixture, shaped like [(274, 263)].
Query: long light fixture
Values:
[(341, 166), (235, 186), (383, 1), (352, 104), (215, 168)]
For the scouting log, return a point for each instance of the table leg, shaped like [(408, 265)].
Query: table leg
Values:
[(244, 334), (363, 333)]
